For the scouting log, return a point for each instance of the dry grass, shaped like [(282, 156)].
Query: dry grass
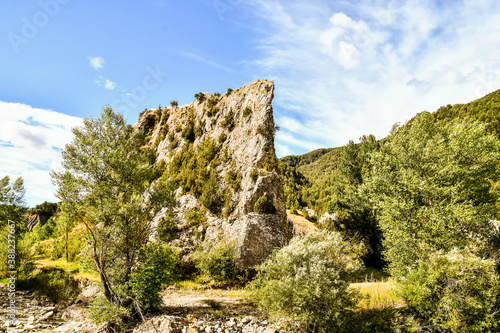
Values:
[(301, 224), (378, 295), (70, 267)]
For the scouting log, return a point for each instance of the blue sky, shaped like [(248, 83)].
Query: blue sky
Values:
[(341, 68)]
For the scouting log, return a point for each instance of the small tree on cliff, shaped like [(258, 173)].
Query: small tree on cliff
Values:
[(109, 185)]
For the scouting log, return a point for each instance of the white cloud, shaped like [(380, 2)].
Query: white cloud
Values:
[(30, 143), (96, 62), (345, 69), (107, 84)]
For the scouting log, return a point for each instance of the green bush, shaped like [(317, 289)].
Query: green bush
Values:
[(195, 217), (264, 206), (454, 292), (156, 267), (103, 311), (308, 281), (228, 121), (233, 178), (167, 227), (247, 111), (174, 103), (200, 97), (222, 137), (54, 283), (218, 262), (254, 174), (229, 91)]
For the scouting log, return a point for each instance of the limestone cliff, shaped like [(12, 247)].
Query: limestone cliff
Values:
[(219, 151)]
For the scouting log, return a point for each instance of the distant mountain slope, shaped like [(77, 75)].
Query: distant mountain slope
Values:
[(486, 109), (309, 177)]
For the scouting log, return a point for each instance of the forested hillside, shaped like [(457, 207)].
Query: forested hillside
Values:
[(310, 178)]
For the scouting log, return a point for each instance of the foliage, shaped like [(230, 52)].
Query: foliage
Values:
[(167, 227), (188, 132), (222, 137), (307, 281), (12, 204), (229, 91), (430, 186), (212, 106), (174, 103), (233, 178), (218, 262), (254, 174), (156, 267), (486, 110), (106, 177), (200, 97), (264, 206), (247, 111), (54, 283), (270, 161), (454, 292), (228, 121), (195, 217), (103, 311), (355, 216)]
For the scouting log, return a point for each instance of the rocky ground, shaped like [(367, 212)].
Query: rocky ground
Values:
[(195, 311)]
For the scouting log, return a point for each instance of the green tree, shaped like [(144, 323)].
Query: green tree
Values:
[(109, 185), (12, 204), (13, 208), (355, 216), (430, 186)]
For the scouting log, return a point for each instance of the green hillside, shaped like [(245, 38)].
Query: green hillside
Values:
[(309, 178)]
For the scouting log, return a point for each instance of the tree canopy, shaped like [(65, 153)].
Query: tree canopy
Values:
[(110, 184)]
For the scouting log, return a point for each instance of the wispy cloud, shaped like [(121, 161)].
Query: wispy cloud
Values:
[(30, 143), (107, 84), (96, 62), (343, 69), (205, 61)]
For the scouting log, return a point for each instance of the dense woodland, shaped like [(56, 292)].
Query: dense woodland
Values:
[(422, 205)]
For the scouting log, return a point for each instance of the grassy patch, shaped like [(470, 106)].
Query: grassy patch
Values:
[(378, 295)]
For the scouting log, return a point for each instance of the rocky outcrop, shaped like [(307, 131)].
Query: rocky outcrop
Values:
[(236, 130)]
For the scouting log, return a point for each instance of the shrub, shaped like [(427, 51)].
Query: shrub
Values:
[(454, 292), (54, 283), (200, 97), (229, 91), (218, 262), (307, 281), (156, 267), (247, 111), (167, 227), (233, 178), (228, 121), (174, 103), (222, 137), (264, 206), (254, 174), (103, 311), (188, 133), (195, 217)]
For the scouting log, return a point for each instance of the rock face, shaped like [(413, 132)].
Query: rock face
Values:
[(247, 205)]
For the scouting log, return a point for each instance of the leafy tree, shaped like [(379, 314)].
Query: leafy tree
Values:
[(109, 185), (12, 207), (356, 217), (12, 204), (430, 186), (454, 292)]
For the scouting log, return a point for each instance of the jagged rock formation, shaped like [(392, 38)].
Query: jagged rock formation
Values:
[(33, 220), (219, 150)]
